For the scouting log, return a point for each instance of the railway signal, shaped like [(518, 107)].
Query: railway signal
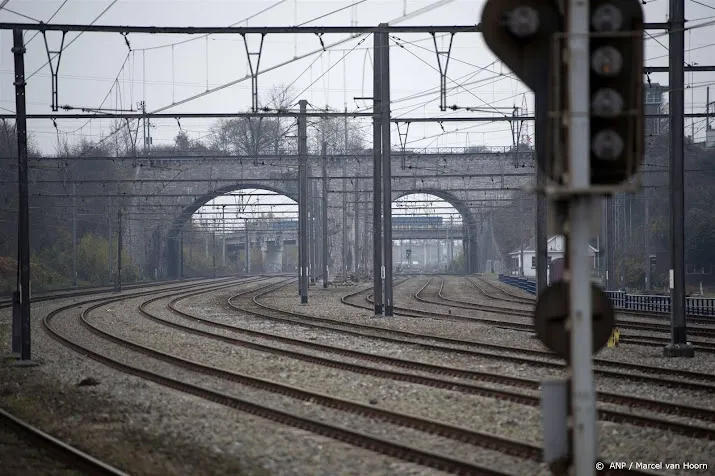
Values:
[(520, 33), (616, 90), (584, 61)]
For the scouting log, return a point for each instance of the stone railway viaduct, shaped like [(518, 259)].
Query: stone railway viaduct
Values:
[(173, 188)]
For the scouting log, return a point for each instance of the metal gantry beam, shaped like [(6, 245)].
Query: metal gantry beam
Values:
[(209, 30), (219, 115), (240, 30)]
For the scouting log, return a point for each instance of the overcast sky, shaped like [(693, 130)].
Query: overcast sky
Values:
[(90, 65)]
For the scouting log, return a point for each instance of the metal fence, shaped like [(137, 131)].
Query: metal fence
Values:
[(694, 306)]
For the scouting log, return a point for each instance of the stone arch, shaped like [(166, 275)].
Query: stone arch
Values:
[(469, 242), (172, 236)]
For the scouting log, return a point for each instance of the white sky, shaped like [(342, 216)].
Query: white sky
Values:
[(90, 65), (249, 204)]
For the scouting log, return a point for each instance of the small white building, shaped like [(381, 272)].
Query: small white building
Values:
[(555, 247)]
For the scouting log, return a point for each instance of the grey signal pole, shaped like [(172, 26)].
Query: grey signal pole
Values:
[(181, 255), (542, 260), (248, 249), (312, 238), (303, 200), (611, 281), (356, 245), (646, 239), (344, 214), (585, 440), (213, 248), (119, 251), (324, 220), (23, 221), (74, 233), (386, 169), (679, 346), (109, 238), (377, 179), (521, 236)]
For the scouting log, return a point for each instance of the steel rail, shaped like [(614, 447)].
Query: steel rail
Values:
[(708, 332), (350, 436), (651, 404), (67, 453), (647, 376)]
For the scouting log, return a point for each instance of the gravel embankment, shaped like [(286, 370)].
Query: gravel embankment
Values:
[(149, 429), (204, 305), (406, 398), (20, 458), (139, 412), (636, 440), (646, 355), (329, 307), (460, 292)]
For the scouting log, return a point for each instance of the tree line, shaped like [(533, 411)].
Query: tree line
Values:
[(53, 225)]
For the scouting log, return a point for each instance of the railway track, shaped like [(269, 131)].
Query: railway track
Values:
[(436, 461), (646, 374), (654, 315), (380, 445), (605, 397), (63, 452), (69, 293), (440, 299)]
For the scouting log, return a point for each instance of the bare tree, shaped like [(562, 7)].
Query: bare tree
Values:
[(256, 135)]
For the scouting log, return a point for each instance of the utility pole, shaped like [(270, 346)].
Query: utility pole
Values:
[(611, 279), (312, 242), (378, 268), (248, 249), (109, 238), (181, 256), (213, 247), (707, 112), (646, 238), (142, 106), (74, 234), (679, 346), (540, 242), (23, 221), (324, 219), (521, 236), (119, 251), (344, 211), (386, 169), (303, 200), (223, 235), (356, 226), (356, 246)]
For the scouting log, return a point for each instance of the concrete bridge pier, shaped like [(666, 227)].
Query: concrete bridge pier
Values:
[(172, 255), (273, 256)]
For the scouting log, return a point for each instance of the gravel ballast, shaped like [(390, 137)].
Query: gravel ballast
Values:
[(170, 420), (150, 429)]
